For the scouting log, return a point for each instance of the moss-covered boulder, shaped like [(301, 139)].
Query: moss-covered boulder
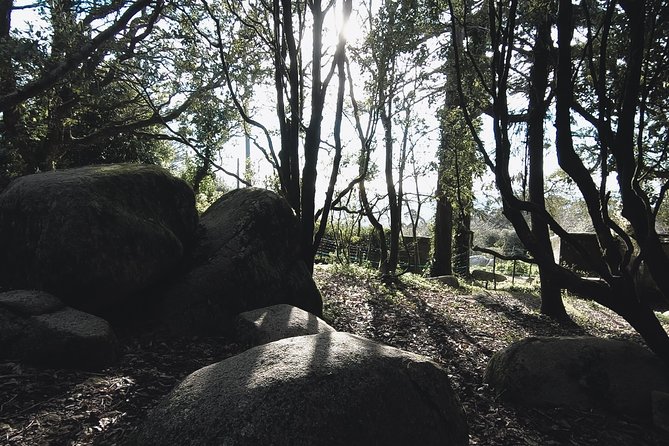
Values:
[(94, 236)]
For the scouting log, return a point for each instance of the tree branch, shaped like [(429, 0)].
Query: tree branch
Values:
[(52, 76)]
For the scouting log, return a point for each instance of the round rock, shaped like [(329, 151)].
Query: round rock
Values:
[(326, 389), (247, 257), (36, 327), (581, 372)]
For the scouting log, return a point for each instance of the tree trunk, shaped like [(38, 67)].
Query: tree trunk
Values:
[(551, 298), (378, 228), (395, 214), (312, 140), (463, 243), (636, 207), (443, 232), (284, 42), (442, 254), (339, 61)]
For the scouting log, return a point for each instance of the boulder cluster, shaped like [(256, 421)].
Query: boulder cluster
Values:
[(85, 250)]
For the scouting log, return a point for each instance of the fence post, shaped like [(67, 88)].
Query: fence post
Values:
[(494, 274)]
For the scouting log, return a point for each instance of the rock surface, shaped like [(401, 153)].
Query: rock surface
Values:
[(94, 236), (36, 327), (327, 389), (580, 372), (660, 404), (247, 257), (257, 327)]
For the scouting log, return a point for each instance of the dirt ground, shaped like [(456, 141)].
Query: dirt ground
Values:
[(460, 328)]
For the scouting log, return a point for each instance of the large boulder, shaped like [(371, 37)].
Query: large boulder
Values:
[(581, 372), (281, 321), (94, 236), (37, 327), (247, 257), (326, 389)]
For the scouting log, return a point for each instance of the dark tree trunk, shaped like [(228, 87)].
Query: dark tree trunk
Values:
[(443, 232), (289, 125), (442, 254), (393, 203), (339, 60), (312, 139), (7, 76), (378, 229), (462, 243), (551, 298), (636, 208)]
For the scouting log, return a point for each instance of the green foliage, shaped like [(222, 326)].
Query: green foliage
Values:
[(116, 105), (460, 160), (208, 187)]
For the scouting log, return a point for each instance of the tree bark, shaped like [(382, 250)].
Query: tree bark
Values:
[(11, 117), (339, 62), (636, 207)]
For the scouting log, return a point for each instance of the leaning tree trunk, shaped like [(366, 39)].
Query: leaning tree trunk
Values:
[(621, 296), (11, 116)]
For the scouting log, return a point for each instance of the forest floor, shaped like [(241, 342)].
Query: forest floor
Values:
[(458, 328)]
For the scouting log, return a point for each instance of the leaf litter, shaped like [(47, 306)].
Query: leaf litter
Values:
[(458, 328)]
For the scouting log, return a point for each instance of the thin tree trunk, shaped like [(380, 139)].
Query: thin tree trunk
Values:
[(289, 125), (312, 139), (395, 217), (340, 58)]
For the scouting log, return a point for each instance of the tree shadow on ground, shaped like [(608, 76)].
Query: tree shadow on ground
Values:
[(522, 310), (461, 332)]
